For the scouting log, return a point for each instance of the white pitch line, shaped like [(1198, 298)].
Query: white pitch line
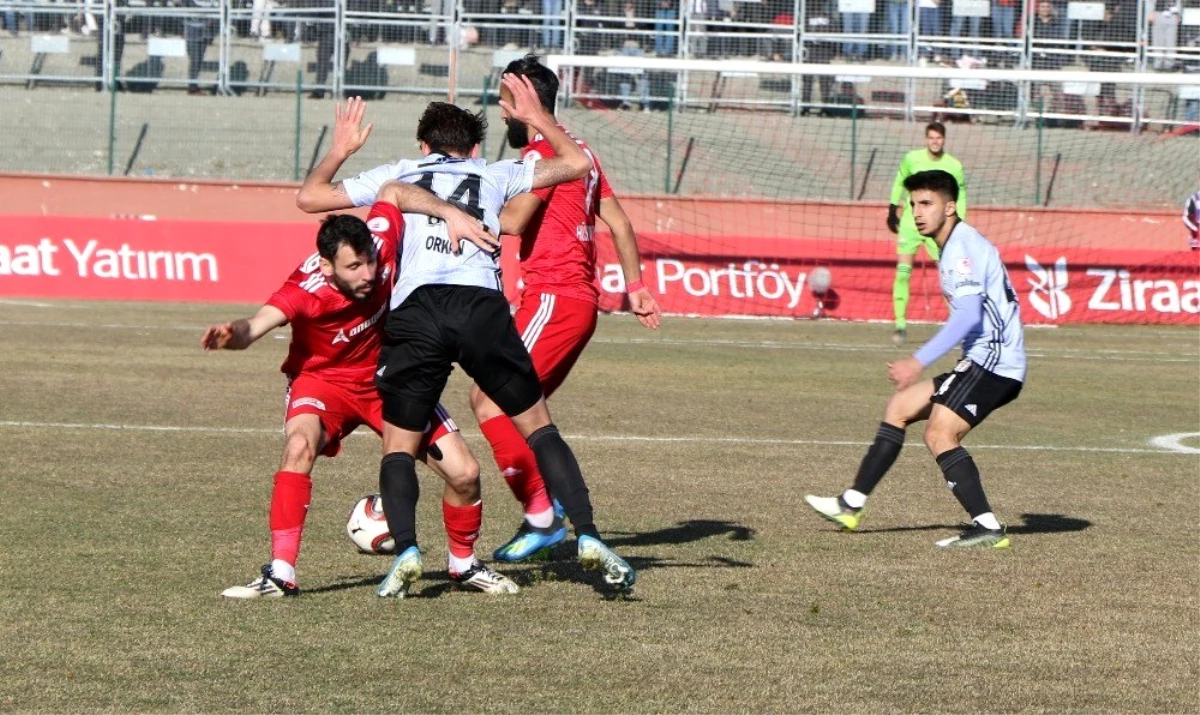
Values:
[(1174, 442), (606, 438)]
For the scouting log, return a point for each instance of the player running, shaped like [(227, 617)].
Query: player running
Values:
[(985, 318), (335, 302), (450, 307), (933, 156)]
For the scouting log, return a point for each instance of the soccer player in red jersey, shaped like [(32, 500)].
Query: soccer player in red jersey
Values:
[(335, 302), (558, 305)]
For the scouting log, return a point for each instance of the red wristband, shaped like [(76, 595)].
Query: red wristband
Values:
[(634, 287)]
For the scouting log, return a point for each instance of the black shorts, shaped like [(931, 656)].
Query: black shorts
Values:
[(972, 392), (438, 325)]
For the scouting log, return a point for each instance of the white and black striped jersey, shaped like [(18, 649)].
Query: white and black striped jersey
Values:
[(971, 265), (479, 188)]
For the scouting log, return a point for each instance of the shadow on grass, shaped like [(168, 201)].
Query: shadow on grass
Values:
[(559, 564), (1031, 524)]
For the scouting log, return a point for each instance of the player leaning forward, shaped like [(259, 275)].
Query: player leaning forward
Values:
[(985, 318), (449, 307)]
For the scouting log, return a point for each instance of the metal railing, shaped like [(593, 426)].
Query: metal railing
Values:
[(455, 47)]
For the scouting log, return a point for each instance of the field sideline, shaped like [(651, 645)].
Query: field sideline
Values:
[(135, 472)]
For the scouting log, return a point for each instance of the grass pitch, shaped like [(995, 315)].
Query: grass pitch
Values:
[(135, 478)]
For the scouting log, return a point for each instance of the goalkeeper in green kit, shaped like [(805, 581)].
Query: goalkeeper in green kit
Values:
[(900, 219)]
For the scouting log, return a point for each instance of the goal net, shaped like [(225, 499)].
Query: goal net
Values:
[(741, 177)]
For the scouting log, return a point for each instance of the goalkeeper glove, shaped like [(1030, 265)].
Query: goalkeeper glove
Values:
[(893, 219)]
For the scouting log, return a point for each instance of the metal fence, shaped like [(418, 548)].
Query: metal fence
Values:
[(451, 46)]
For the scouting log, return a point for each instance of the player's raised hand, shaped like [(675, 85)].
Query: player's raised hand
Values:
[(217, 337), (526, 107), (645, 308), (462, 226), (905, 373), (349, 135)]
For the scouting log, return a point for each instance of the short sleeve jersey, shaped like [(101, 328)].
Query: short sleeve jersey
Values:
[(971, 265), (332, 335), (918, 160), (479, 188), (558, 248)]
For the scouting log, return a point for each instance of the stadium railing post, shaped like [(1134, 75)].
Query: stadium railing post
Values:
[(112, 123), (1037, 165), (853, 140), (299, 114), (670, 140), (483, 100)]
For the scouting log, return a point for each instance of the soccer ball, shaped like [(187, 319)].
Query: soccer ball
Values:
[(820, 280), (368, 528)]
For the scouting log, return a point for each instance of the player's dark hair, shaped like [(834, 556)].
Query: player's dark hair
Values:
[(543, 79), (344, 228), (448, 129), (936, 127), (938, 181)]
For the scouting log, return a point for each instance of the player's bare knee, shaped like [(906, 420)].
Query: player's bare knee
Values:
[(940, 438), (464, 477), (299, 453)]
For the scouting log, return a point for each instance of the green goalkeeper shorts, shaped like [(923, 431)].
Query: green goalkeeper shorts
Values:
[(909, 239)]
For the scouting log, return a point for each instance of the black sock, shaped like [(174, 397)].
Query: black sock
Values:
[(962, 476), (400, 489), (564, 480), (880, 457)]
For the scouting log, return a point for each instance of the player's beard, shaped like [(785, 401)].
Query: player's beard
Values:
[(517, 133), (347, 290)]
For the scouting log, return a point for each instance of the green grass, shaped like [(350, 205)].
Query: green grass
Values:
[(114, 543)]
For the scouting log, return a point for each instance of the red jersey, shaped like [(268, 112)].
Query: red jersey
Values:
[(331, 334), (558, 248)]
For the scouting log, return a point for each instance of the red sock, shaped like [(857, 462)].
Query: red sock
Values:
[(517, 463), (289, 505), (462, 527)]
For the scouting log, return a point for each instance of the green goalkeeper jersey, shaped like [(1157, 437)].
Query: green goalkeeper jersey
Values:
[(918, 160)]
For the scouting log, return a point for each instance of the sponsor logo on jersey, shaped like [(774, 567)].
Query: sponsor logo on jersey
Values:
[(379, 224), (340, 337), (963, 266), (1048, 287)]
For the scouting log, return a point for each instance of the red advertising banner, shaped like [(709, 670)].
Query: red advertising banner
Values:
[(181, 260)]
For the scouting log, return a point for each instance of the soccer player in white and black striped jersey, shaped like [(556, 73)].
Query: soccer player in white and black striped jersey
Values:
[(448, 306), (985, 319)]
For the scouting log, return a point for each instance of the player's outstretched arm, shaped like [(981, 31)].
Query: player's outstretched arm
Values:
[(319, 192), (570, 162), (641, 302), (242, 333), (460, 225)]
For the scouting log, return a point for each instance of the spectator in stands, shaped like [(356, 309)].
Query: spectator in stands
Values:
[(633, 48), (855, 23), (1164, 31), (1004, 18), (822, 16), (929, 24), (973, 24), (589, 28), (260, 19), (1047, 25), (552, 18), (704, 13), (777, 44), (899, 23), (440, 14), (198, 32), (1106, 41), (666, 27), (10, 19)]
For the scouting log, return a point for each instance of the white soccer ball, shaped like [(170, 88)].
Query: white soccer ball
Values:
[(368, 528), (820, 280)]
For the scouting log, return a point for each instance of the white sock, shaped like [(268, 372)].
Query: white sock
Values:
[(283, 571), (540, 520), (459, 564), (988, 521), (854, 499)]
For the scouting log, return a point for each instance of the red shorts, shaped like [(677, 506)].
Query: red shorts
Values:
[(343, 407), (555, 330)]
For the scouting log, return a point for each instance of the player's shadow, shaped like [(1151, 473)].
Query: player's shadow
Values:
[(1030, 524), (560, 564)]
